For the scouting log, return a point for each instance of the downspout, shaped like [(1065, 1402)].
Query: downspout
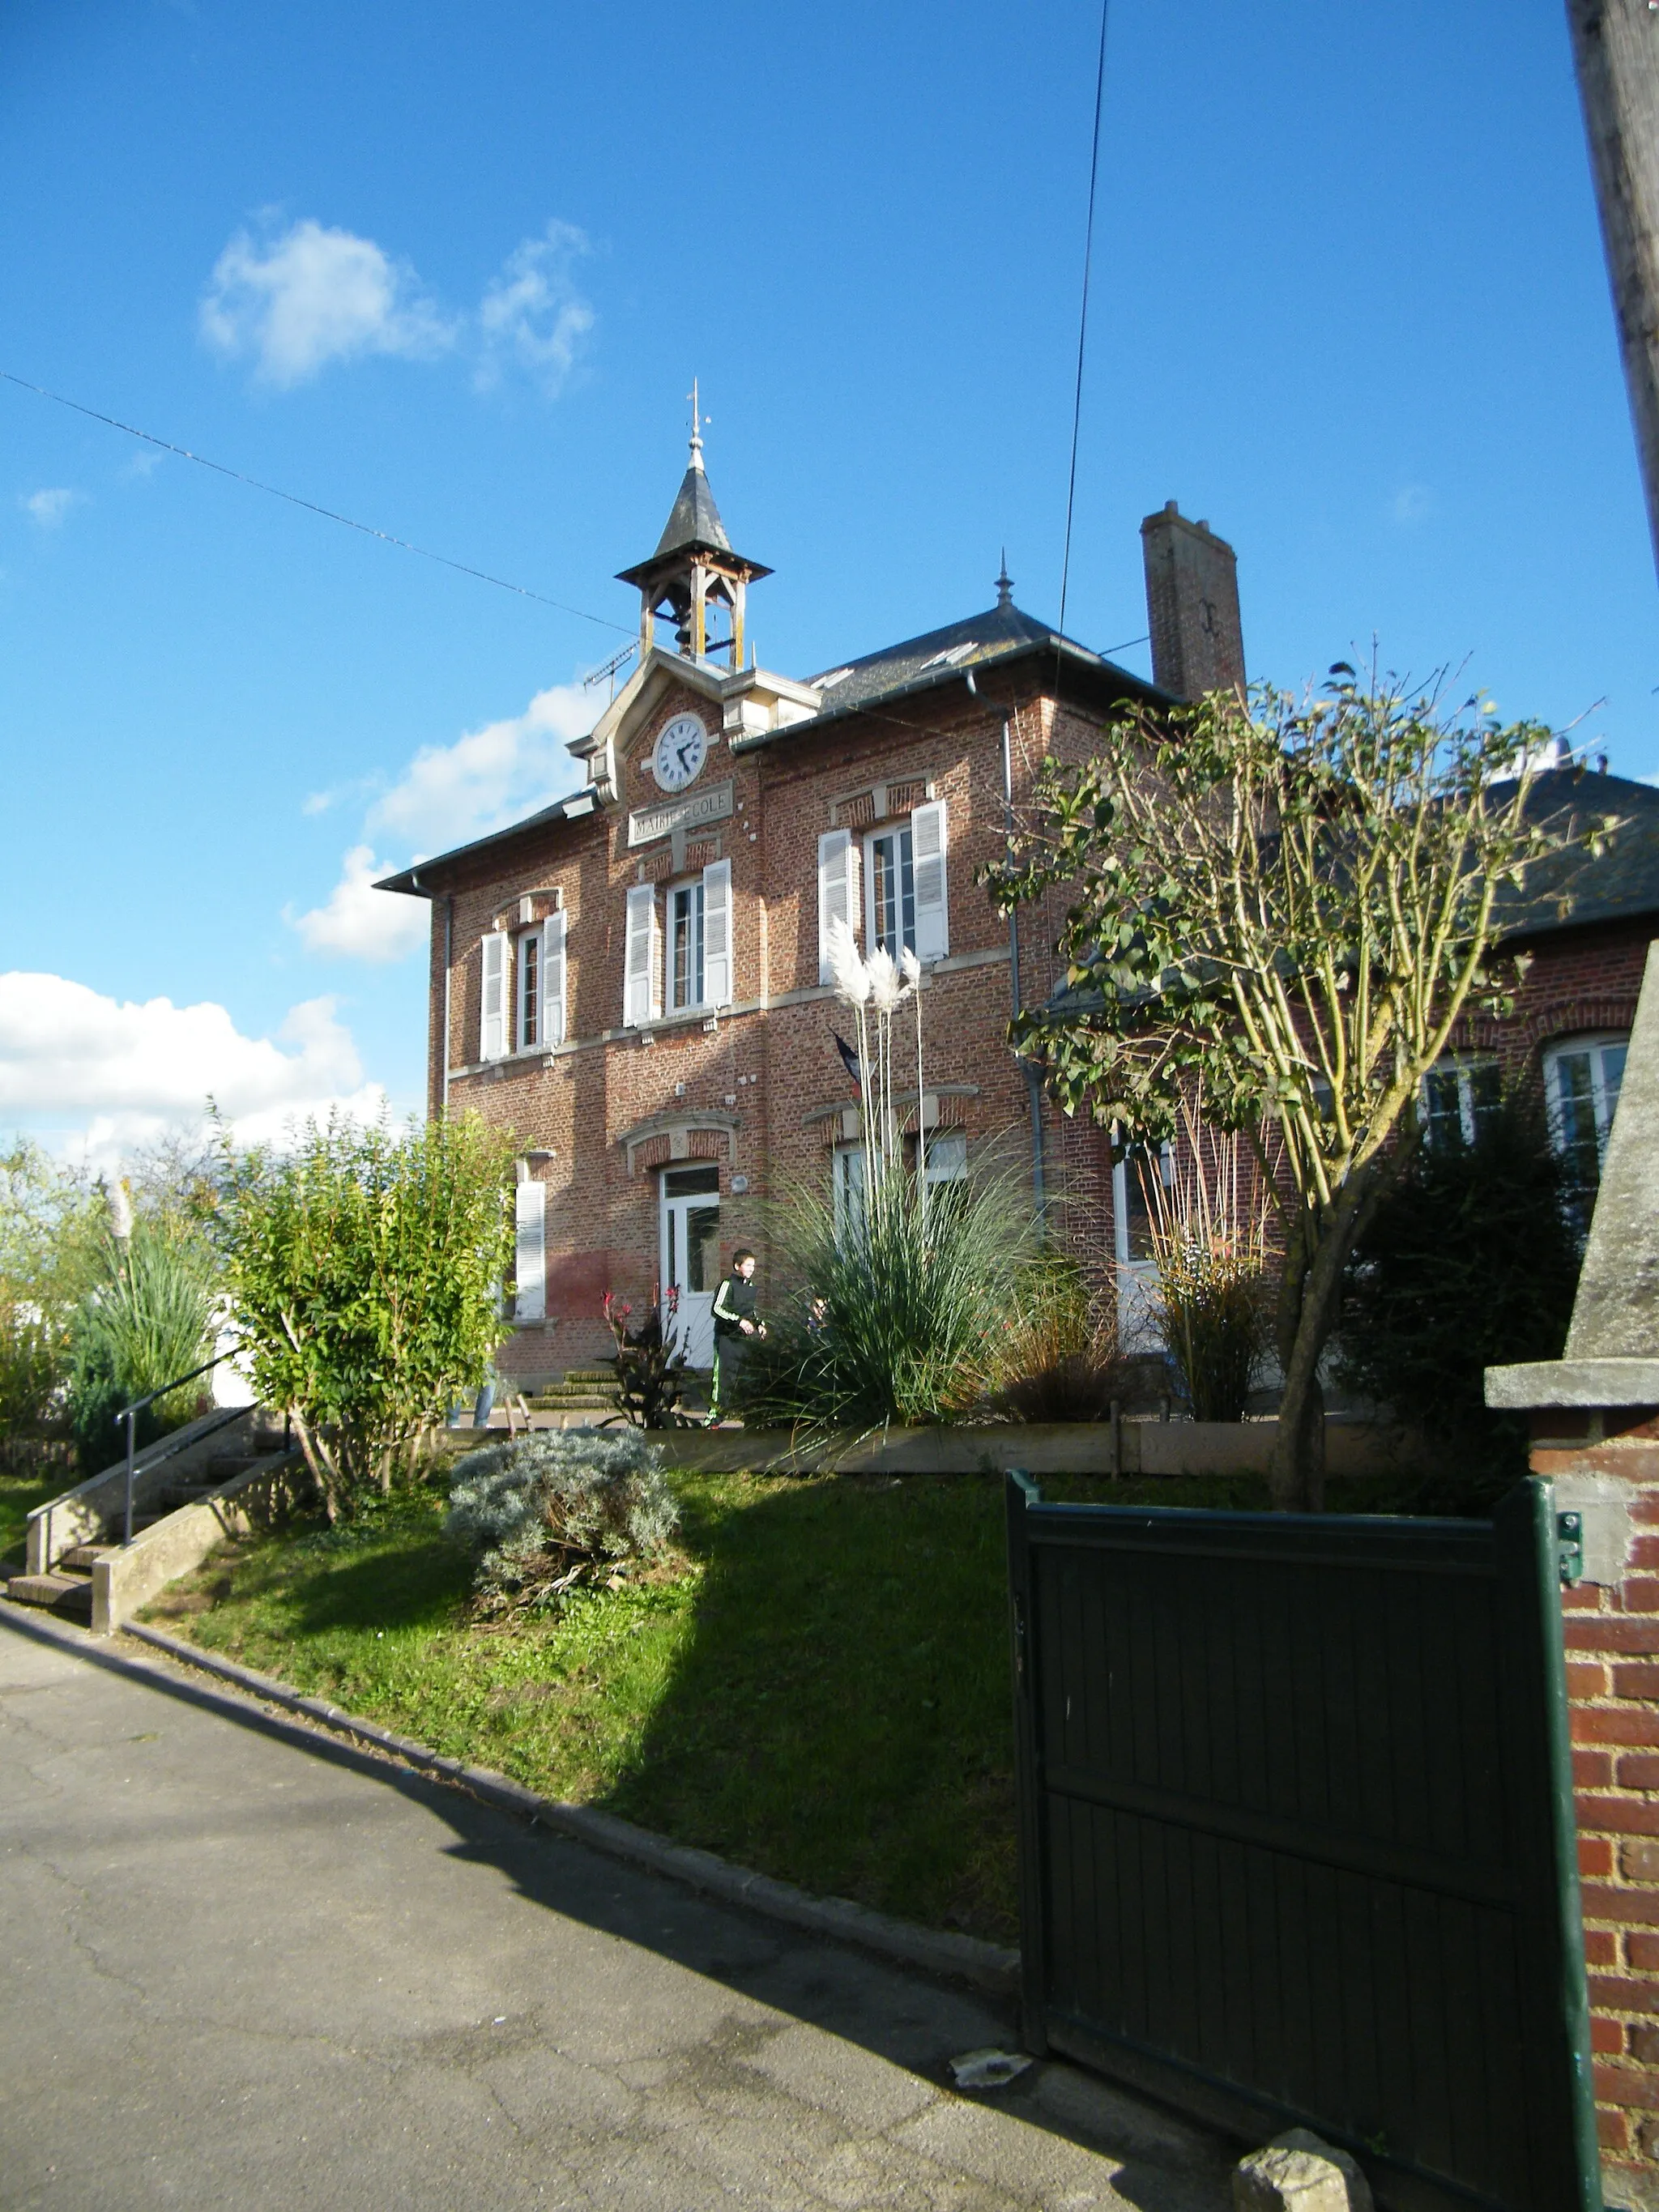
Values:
[(1032, 1073), (449, 937), (449, 947)]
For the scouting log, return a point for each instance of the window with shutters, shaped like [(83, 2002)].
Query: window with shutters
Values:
[(641, 975), (530, 1251), (686, 910), (530, 990), (538, 993), (493, 1040), (890, 921), (837, 862), (930, 844)]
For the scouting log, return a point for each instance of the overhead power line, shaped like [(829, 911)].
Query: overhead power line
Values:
[(311, 506), (1083, 317)]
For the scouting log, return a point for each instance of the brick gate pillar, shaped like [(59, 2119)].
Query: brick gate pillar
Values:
[(1604, 1464), (1594, 1421)]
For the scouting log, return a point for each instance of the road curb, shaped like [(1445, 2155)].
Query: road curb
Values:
[(988, 1967)]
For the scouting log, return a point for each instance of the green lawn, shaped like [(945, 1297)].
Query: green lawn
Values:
[(820, 1691)]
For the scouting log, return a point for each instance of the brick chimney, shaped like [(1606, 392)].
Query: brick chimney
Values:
[(1192, 605)]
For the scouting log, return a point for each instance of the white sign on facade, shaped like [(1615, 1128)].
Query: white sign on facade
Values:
[(646, 823)]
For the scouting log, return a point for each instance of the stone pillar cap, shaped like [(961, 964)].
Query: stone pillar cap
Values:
[(1606, 1382)]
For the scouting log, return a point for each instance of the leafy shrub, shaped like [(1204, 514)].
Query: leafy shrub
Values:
[(1058, 1362), (558, 1509), (1469, 1263), (149, 1320), (365, 1272)]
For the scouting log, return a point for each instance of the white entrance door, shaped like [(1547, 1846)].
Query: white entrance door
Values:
[(691, 1256)]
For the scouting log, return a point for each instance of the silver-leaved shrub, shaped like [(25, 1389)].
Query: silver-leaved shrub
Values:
[(561, 1510)]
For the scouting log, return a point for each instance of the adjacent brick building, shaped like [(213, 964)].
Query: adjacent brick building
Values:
[(632, 980)]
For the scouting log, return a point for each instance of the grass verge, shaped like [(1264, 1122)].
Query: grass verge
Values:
[(821, 1691)]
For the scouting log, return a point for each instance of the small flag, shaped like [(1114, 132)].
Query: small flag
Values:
[(850, 1060)]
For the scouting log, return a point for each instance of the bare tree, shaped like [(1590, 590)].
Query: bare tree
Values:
[(1281, 908)]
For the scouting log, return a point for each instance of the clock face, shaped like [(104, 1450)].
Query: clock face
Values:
[(681, 751)]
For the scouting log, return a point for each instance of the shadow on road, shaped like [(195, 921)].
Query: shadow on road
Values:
[(899, 2015)]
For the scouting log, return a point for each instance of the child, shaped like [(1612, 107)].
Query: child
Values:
[(735, 1324)]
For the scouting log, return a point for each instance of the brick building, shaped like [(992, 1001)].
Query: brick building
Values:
[(633, 980)]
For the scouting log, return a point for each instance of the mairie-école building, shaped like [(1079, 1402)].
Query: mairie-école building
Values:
[(633, 980)]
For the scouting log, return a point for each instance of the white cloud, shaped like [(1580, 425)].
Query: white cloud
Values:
[(360, 922), (532, 314), (451, 793), (137, 1070), (50, 508), (446, 796), (314, 295)]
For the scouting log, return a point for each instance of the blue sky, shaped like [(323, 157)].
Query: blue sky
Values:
[(451, 272)]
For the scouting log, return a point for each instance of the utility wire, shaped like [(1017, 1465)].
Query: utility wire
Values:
[(1083, 318), (312, 507)]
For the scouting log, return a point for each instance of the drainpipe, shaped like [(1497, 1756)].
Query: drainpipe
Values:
[(1032, 1074), (449, 947)]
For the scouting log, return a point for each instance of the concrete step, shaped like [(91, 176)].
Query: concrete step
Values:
[(574, 1376), (80, 1558), (70, 1594)]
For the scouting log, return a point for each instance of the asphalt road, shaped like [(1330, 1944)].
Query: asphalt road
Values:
[(245, 1965)]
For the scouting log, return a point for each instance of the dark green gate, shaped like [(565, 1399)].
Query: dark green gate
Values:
[(1296, 1839)]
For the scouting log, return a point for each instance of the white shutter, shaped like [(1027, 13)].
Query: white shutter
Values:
[(927, 852), (553, 979), (642, 982), (530, 1254), (717, 934), (492, 1028), (835, 890)]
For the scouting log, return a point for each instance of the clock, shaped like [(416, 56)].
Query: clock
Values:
[(681, 751)]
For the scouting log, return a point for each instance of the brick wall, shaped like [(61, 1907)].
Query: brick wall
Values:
[(1611, 1631)]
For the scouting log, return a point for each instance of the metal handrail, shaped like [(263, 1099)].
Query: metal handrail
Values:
[(130, 1414)]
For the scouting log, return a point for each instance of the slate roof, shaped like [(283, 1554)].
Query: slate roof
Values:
[(999, 636), (1569, 890), (1572, 890)]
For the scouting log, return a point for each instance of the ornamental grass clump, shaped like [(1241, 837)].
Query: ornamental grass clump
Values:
[(1212, 1251), (560, 1510), (907, 1284), (1059, 1361), (147, 1321)]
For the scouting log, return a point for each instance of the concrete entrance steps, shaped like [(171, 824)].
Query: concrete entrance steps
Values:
[(585, 1392), (57, 1591), (66, 1585)]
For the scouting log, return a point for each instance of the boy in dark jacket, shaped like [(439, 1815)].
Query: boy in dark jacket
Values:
[(736, 1323)]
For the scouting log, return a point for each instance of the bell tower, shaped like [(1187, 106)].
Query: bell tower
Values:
[(694, 578)]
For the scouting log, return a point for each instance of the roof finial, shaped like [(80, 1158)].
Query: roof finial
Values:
[(697, 428), (1004, 583)]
